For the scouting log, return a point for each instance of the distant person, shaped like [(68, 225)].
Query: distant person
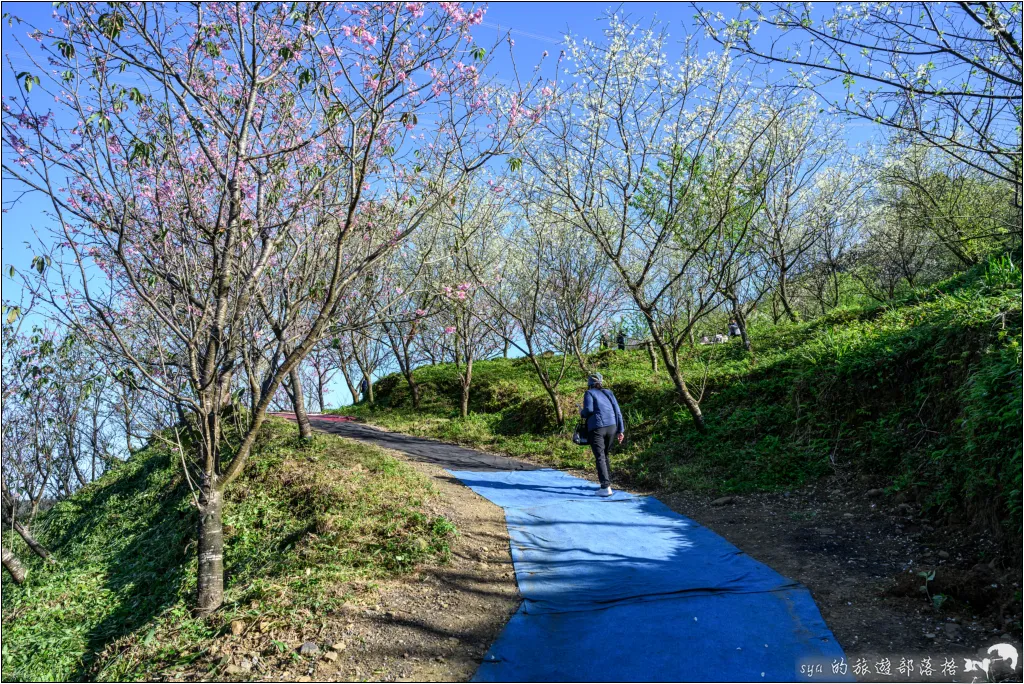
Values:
[(364, 389), (620, 340), (704, 339), (604, 341), (734, 329), (604, 426)]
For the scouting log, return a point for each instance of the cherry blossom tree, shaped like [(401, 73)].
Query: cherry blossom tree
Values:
[(467, 244), (195, 156)]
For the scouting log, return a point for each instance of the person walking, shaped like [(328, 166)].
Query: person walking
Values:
[(604, 426)]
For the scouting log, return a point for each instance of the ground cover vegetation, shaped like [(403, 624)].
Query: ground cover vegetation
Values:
[(305, 523), (245, 204)]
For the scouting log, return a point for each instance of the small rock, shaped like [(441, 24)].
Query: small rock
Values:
[(309, 648), (826, 531), (944, 555), (264, 626), (952, 630), (723, 501), (237, 627), (233, 670), (874, 493), (905, 508), (338, 646), (848, 515), (246, 665), (929, 635), (331, 656)]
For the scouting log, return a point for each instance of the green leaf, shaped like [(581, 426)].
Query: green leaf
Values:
[(66, 49), (12, 315), (111, 25)]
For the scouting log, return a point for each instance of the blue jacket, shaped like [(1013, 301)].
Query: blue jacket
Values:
[(601, 409)]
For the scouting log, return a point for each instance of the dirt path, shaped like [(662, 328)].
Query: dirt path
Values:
[(437, 624), (861, 555), (857, 550), (433, 625)]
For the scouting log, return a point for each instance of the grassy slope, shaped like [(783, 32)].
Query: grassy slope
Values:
[(300, 523), (924, 394)]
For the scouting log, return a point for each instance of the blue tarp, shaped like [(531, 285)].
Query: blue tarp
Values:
[(625, 589)]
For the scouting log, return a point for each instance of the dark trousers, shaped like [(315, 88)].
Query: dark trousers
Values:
[(601, 441)]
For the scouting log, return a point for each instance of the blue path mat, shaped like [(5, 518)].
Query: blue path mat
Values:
[(625, 589)]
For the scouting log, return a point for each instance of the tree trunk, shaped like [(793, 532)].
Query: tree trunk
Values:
[(348, 381), (682, 390), (579, 357), (320, 392), (741, 323), (368, 394), (23, 532), (8, 515), (211, 551), (650, 352), (546, 382), (14, 567), (467, 380), (784, 298), (684, 394), (414, 389), (299, 402)]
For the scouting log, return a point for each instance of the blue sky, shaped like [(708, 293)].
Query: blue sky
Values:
[(534, 26)]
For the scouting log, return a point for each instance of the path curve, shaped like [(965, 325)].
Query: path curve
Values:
[(624, 588)]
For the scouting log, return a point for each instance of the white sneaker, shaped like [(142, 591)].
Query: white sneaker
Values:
[(606, 491)]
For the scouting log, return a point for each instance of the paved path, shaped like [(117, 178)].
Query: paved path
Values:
[(448, 456), (625, 589)]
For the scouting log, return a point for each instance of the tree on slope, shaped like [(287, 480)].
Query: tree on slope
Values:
[(192, 150), (627, 154)]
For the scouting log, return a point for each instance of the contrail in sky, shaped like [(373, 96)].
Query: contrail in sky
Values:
[(525, 34)]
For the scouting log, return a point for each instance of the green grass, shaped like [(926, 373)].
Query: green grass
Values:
[(301, 524), (923, 394)]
